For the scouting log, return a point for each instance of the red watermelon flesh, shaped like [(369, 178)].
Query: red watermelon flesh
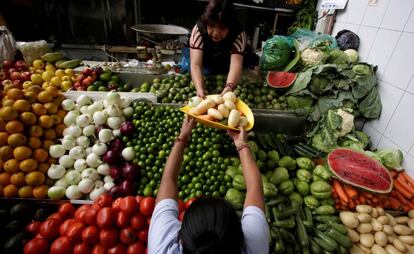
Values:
[(280, 79), (360, 170)]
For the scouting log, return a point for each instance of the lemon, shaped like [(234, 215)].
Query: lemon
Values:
[(47, 75), (66, 85), (38, 64), (50, 67), (69, 72), (59, 73), (46, 85), (36, 78), (27, 84), (56, 81)]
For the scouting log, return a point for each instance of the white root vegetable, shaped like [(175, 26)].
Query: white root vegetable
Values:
[(356, 250), (392, 250), (363, 208), (381, 238), (223, 110), (391, 238), (402, 219), (380, 211), (376, 249), (392, 219), (364, 249), (374, 213), (410, 223), (408, 239), (230, 96), (367, 240), (203, 107), (218, 99), (234, 118), (384, 219), (364, 228), (376, 225), (400, 245), (353, 235), (402, 230), (243, 121), (229, 104), (349, 219), (214, 113), (364, 217), (387, 229), (411, 213)]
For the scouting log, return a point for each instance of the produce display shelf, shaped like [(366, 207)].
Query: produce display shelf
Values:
[(101, 95), (43, 201)]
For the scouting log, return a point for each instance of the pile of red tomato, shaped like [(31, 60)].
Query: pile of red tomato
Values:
[(108, 226)]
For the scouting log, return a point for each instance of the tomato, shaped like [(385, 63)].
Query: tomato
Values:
[(38, 236), (67, 210), (81, 248), (56, 216), (65, 225), (49, 229), (88, 217), (90, 235), (181, 206), (99, 249), (80, 210), (116, 204), (74, 232), (62, 245), (143, 235), (118, 249), (104, 200), (139, 199), (181, 217), (136, 248), (147, 206), (129, 205), (189, 202), (105, 217), (148, 221), (108, 237), (36, 246), (33, 228), (128, 235), (122, 219), (138, 221)]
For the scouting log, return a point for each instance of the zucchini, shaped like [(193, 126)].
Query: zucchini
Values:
[(267, 214), (302, 152), (288, 223), (262, 142), (339, 227), (302, 235), (315, 248), (340, 238), (287, 236), (310, 149), (323, 227), (342, 250), (275, 201), (269, 141), (279, 245), (288, 212), (308, 216), (305, 250), (325, 241), (326, 218)]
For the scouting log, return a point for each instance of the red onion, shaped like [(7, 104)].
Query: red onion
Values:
[(117, 145), (130, 171), (127, 187), (116, 191), (115, 173), (127, 128), (111, 157)]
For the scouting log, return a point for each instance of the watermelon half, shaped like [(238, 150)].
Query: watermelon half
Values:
[(280, 79), (360, 170)]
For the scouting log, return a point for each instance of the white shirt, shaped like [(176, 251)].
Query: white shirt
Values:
[(163, 235)]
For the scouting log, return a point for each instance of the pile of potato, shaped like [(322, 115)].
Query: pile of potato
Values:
[(374, 231)]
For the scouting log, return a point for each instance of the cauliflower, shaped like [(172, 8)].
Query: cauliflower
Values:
[(312, 56), (347, 122)]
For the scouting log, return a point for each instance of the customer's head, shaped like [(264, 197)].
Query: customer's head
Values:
[(218, 17), (211, 225)]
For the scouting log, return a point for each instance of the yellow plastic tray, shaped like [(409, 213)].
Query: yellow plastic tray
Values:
[(240, 105)]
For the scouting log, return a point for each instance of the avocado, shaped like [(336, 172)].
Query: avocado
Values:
[(15, 244), (20, 210)]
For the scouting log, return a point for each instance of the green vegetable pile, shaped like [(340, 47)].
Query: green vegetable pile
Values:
[(305, 17)]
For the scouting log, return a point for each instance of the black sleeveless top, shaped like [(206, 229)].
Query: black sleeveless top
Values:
[(216, 56)]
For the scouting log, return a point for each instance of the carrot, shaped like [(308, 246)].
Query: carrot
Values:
[(368, 202), (375, 200), (398, 185), (407, 178), (399, 196), (337, 187), (411, 204), (357, 202), (395, 204), (337, 206), (362, 199), (351, 204), (350, 192), (367, 195), (405, 184), (394, 173)]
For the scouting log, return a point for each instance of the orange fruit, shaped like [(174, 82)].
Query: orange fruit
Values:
[(43, 167), (28, 165), (53, 91), (44, 97), (11, 166), (49, 134), (48, 75), (34, 142), (40, 155), (7, 102), (14, 126), (56, 119), (30, 96), (2, 125), (28, 118), (59, 73), (3, 138), (45, 121), (51, 107), (16, 139), (39, 109), (51, 160), (40, 191), (22, 152), (61, 113), (8, 113), (35, 178), (25, 192), (4, 178), (10, 191), (58, 99), (18, 179), (47, 143), (51, 68), (21, 106), (35, 131), (55, 81), (36, 89), (6, 152), (15, 94), (59, 129)]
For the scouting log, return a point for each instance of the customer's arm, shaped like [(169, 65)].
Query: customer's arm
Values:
[(196, 65)]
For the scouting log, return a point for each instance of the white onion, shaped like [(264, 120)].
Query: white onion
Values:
[(72, 192), (70, 118), (108, 185), (93, 160), (56, 192), (99, 183), (56, 171), (113, 110), (100, 117), (113, 98), (72, 177), (83, 141), (66, 161), (105, 135), (125, 102), (90, 173), (86, 185), (99, 149), (114, 122), (88, 151), (89, 130), (62, 183), (97, 191), (56, 151), (73, 130), (83, 120), (128, 112), (68, 143), (80, 164), (68, 104), (77, 153), (108, 179), (96, 106), (116, 132), (103, 169), (128, 153), (83, 100), (84, 109)]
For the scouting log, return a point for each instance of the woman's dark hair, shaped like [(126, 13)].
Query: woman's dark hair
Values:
[(219, 11), (211, 225)]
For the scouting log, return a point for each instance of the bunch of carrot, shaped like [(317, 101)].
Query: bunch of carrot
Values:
[(400, 198)]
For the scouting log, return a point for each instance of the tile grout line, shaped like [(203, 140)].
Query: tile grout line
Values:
[(392, 141), (411, 147), (376, 27), (409, 83), (406, 22), (399, 88)]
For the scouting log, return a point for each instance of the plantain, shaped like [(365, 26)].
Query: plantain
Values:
[(52, 57)]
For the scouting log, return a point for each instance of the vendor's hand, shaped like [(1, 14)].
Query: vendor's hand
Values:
[(225, 90), (201, 93), (239, 137), (188, 125)]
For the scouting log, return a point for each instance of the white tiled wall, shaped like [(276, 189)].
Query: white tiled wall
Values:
[(386, 31)]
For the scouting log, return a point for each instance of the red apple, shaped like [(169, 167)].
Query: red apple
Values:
[(20, 65), (87, 81), (7, 64), (25, 76), (11, 70), (80, 78), (18, 83), (15, 75), (7, 82), (87, 72)]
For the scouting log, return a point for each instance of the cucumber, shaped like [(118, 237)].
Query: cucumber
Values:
[(275, 201), (326, 218), (302, 235), (339, 227), (315, 248), (287, 236), (288, 223), (340, 238), (323, 227), (342, 250), (308, 216), (325, 241), (302, 152), (288, 212)]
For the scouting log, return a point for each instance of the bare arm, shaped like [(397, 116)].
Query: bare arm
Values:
[(168, 187), (252, 176), (196, 65)]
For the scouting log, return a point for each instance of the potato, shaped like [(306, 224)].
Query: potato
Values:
[(383, 219), (223, 110), (218, 99), (364, 249), (364, 228), (411, 213), (410, 223), (402, 219), (402, 230), (376, 225), (353, 235), (214, 113), (387, 229), (356, 250), (380, 211), (364, 218), (367, 240), (349, 219), (234, 118), (400, 245), (392, 250), (374, 213), (229, 104), (392, 219), (376, 249), (381, 238), (391, 238), (408, 239), (230, 96), (363, 208)]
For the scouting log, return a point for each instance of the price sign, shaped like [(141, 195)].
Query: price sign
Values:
[(333, 4)]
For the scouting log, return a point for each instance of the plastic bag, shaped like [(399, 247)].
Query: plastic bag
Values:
[(277, 53), (347, 40), (309, 39), (7, 44), (33, 50)]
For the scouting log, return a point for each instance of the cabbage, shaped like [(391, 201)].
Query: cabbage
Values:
[(390, 158), (352, 55), (276, 53), (337, 56)]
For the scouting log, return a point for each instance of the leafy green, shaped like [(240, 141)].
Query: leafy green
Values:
[(390, 158), (301, 82), (320, 85), (277, 53), (338, 57), (370, 106)]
